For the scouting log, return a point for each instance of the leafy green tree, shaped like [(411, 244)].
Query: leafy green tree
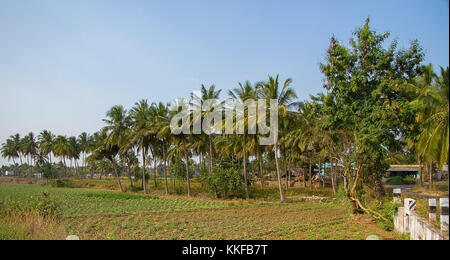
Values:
[(369, 84)]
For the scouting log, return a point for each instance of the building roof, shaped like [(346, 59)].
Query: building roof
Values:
[(404, 168)]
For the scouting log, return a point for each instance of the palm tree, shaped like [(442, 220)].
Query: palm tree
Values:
[(83, 142), (62, 150), (141, 130), (29, 148), (8, 150), (176, 108), (207, 94), (117, 132), (46, 143), (433, 99), (271, 90), (106, 150), (16, 143), (242, 94), (161, 126), (74, 152), (129, 158)]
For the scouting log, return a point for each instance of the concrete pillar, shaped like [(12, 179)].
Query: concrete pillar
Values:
[(410, 207), (432, 203), (397, 195), (444, 214)]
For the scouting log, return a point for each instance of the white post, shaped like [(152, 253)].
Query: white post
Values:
[(410, 207), (444, 214), (433, 206), (397, 195)]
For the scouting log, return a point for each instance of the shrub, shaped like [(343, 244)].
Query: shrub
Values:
[(39, 206), (224, 183), (62, 183), (398, 180)]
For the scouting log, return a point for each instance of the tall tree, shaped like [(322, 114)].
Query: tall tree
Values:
[(206, 94), (285, 95), (46, 143), (242, 94), (369, 84)]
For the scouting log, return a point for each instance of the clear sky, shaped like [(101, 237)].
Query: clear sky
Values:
[(64, 63)]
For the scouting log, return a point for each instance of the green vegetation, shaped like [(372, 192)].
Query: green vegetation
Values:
[(382, 106), (101, 214)]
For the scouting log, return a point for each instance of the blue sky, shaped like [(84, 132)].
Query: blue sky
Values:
[(64, 63)]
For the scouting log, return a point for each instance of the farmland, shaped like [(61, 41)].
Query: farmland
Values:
[(105, 214)]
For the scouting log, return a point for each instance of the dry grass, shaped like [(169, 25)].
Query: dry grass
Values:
[(30, 227), (436, 190), (8, 181)]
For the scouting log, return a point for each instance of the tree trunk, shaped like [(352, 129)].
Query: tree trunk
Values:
[(352, 192), (173, 181), (210, 154), (155, 172), (332, 174), (144, 182), (187, 166), (285, 168), (420, 172), (261, 170), (117, 175), (129, 175), (245, 164), (165, 168), (310, 175), (319, 175), (430, 175), (282, 198)]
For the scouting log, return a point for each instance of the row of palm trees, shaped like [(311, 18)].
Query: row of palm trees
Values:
[(304, 139), (32, 150)]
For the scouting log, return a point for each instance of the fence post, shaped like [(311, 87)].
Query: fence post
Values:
[(397, 195), (444, 214), (432, 214), (410, 206)]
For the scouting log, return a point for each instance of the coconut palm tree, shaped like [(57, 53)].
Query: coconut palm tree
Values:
[(285, 95), (161, 126), (433, 143), (106, 150), (181, 138), (141, 132), (29, 148), (242, 94), (207, 94), (16, 144), (9, 151), (46, 143), (74, 152), (130, 160), (83, 142), (62, 150)]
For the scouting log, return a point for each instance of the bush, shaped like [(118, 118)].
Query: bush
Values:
[(62, 183), (398, 180), (224, 183), (39, 206)]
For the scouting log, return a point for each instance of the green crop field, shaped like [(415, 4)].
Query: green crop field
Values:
[(102, 214), (82, 202)]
